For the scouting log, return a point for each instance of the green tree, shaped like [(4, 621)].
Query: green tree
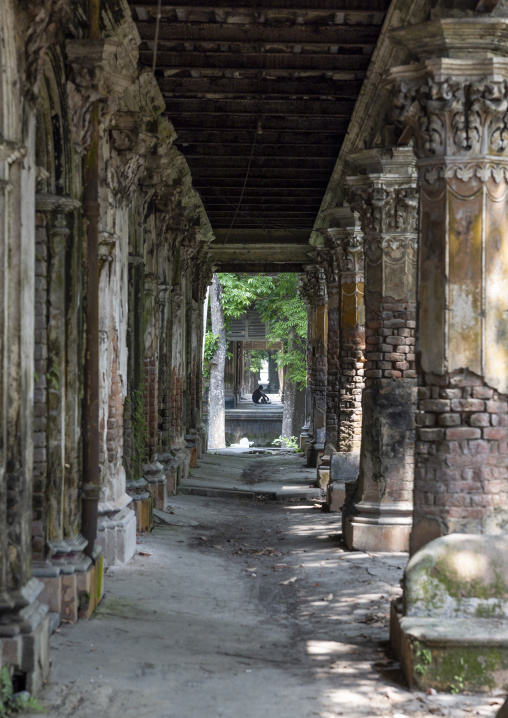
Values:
[(277, 299)]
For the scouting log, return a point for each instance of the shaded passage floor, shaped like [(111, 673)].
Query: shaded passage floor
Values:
[(236, 607)]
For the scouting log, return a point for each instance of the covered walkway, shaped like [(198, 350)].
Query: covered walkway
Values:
[(243, 608)]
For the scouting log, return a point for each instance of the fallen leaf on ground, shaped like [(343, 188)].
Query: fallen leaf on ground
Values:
[(143, 553), (203, 538), (290, 580), (328, 598), (251, 569), (218, 547)]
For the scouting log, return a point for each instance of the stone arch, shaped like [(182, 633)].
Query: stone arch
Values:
[(56, 330)]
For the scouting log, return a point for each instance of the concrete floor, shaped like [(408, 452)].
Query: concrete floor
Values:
[(243, 608)]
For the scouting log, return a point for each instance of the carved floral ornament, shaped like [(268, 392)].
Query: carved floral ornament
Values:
[(384, 207), (348, 245), (460, 123), (313, 286), (394, 249)]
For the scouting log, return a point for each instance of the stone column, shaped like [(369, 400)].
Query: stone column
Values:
[(346, 372), (457, 110), (386, 200), (454, 604), (315, 295)]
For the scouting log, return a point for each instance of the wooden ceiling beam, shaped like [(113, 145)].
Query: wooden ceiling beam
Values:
[(323, 62), (192, 129), (225, 152), (212, 172), (363, 36), (212, 138), (309, 87), (272, 111), (356, 7)]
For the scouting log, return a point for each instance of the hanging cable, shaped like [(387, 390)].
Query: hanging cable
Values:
[(156, 41), (256, 133)]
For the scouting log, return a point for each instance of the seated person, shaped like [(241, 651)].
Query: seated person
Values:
[(258, 397)]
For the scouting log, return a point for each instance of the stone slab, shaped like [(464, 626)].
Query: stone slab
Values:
[(335, 496), (376, 537), (456, 655)]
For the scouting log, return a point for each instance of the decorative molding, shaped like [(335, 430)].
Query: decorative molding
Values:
[(101, 69), (130, 145), (55, 203), (313, 285), (383, 205)]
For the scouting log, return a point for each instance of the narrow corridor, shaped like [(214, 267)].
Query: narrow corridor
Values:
[(248, 608)]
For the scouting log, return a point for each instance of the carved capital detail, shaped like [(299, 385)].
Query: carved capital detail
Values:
[(457, 112), (130, 147), (313, 285), (385, 207), (101, 69), (394, 249)]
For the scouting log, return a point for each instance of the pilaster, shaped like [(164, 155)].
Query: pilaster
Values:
[(346, 364), (454, 102), (314, 293), (385, 196)]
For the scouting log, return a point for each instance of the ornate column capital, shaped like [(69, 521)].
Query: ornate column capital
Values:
[(101, 70), (313, 285), (131, 144), (386, 199), (346, 241), (456, 105)]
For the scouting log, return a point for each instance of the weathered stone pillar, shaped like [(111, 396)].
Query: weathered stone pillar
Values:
[(457, 109), (24, 624), (386, 199), (346, 362), (313, 290), (454, 605)]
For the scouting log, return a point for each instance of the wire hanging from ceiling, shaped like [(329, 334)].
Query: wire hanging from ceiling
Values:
[(258, 131), (156, 41)]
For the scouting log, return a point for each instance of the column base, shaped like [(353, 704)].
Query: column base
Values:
[(314, 453), (377, 527), (335, 496), (455, 655), (72, 589), (116, 534), (154, 474), (449, 630), (323, 472), (24, 637)]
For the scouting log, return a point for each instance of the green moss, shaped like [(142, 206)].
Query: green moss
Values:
[(457, 668), (457, 587), (492, 610)]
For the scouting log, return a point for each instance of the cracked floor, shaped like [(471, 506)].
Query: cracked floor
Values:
[(243, 607)]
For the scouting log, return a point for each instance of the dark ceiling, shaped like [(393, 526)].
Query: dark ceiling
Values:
[(260, 93)]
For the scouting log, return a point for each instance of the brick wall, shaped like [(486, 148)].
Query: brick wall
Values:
[(351, 384), (461, 453), (390, 340), (40, 388)]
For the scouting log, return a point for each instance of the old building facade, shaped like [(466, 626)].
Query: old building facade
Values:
[(108, 248)]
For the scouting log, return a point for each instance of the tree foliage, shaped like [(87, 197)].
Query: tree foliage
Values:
[(277, 299)]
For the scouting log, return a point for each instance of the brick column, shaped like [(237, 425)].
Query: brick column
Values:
[(315, 294), (457, 110), (454, 602), (346, 375), (386, 199)]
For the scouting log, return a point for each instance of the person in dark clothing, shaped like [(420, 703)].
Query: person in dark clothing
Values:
[(258, 397)]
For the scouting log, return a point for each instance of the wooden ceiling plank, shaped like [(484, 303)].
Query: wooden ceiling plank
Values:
[(337, 6), (362, 36), (325, 61), (346, 89), (271, 110)]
